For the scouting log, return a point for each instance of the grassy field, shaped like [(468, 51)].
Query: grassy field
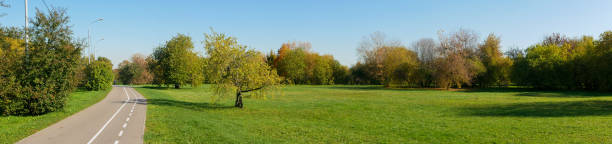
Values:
[(15, 128), (371, 114)]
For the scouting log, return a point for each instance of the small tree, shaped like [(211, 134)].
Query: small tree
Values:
[(99, 75), (233, 69)]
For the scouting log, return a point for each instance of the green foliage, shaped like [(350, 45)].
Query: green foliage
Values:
[(293, 65), (234, 69), (176, 63), (135, 71), (497, 66), (298, 65), (99, 75), (127, 72), (40, 81)]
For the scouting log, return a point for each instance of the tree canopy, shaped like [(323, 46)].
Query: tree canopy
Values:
[(234, 69), (176, 63)]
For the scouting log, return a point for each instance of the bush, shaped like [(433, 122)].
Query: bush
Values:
[(99, 76), (40, 81)]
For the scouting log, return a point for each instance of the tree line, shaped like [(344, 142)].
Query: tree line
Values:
[(455, 60)]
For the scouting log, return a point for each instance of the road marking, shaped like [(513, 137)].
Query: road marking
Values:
[(117, 141), (121, 133), (111, 118), (124, 125), (128, 119)]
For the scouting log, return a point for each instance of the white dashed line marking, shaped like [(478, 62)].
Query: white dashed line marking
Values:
[(121, 133), (111, 118), (117, 141), (124, 125), (128, 119)]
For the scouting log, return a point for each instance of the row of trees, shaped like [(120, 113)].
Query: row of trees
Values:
[(231, 67), (455, 60), (38, 79), (459, 60), (559, 62), (299, 65)]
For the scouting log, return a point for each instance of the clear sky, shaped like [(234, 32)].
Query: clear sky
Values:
[(332, 26)]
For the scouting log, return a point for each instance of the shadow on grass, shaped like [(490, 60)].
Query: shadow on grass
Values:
[(544, 109), (376, 87), (187, 105), (542, 93)]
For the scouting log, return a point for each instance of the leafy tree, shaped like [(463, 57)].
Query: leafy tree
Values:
[(292, 62), (359, 74), (135, 71), (176, 63), (40, 81), (601, 62), (99, 74), (234, 69), (322, 70), (341, 73), (127, 72), (373, 52), (497, 66)]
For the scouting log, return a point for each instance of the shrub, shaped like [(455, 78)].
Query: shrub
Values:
[(99, 76)]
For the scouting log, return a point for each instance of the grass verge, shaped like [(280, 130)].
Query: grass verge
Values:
[(15, 128)]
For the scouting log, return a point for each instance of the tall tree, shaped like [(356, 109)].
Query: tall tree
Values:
[(176, 63), (234, 69), (460, 63), (497, 66), (427, 52), (373, 51)]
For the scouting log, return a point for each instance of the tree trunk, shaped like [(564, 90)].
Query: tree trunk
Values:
[(177, 86), (238, 100)]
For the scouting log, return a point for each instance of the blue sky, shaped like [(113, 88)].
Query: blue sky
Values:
[(333, 27)]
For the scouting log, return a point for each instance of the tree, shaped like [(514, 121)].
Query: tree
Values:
[(40, 81), (127, 72), (292, 62), (497, 66), (372, 50), (176, 63), (135, 71), (322, 71), (341, 73), (392, 59), (234, 69), (99, 74), (427, 52), (460, 63)]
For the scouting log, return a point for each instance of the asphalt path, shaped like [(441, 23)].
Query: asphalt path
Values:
[(118, 118)]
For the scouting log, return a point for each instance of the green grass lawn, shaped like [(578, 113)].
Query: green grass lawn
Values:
[(15, 128), (371, 114)]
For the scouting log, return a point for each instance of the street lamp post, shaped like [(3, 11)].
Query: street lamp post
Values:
[(94, 47), (89, 51), (25, 28)]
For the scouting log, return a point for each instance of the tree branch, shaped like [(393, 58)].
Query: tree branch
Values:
[(252, 89)]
